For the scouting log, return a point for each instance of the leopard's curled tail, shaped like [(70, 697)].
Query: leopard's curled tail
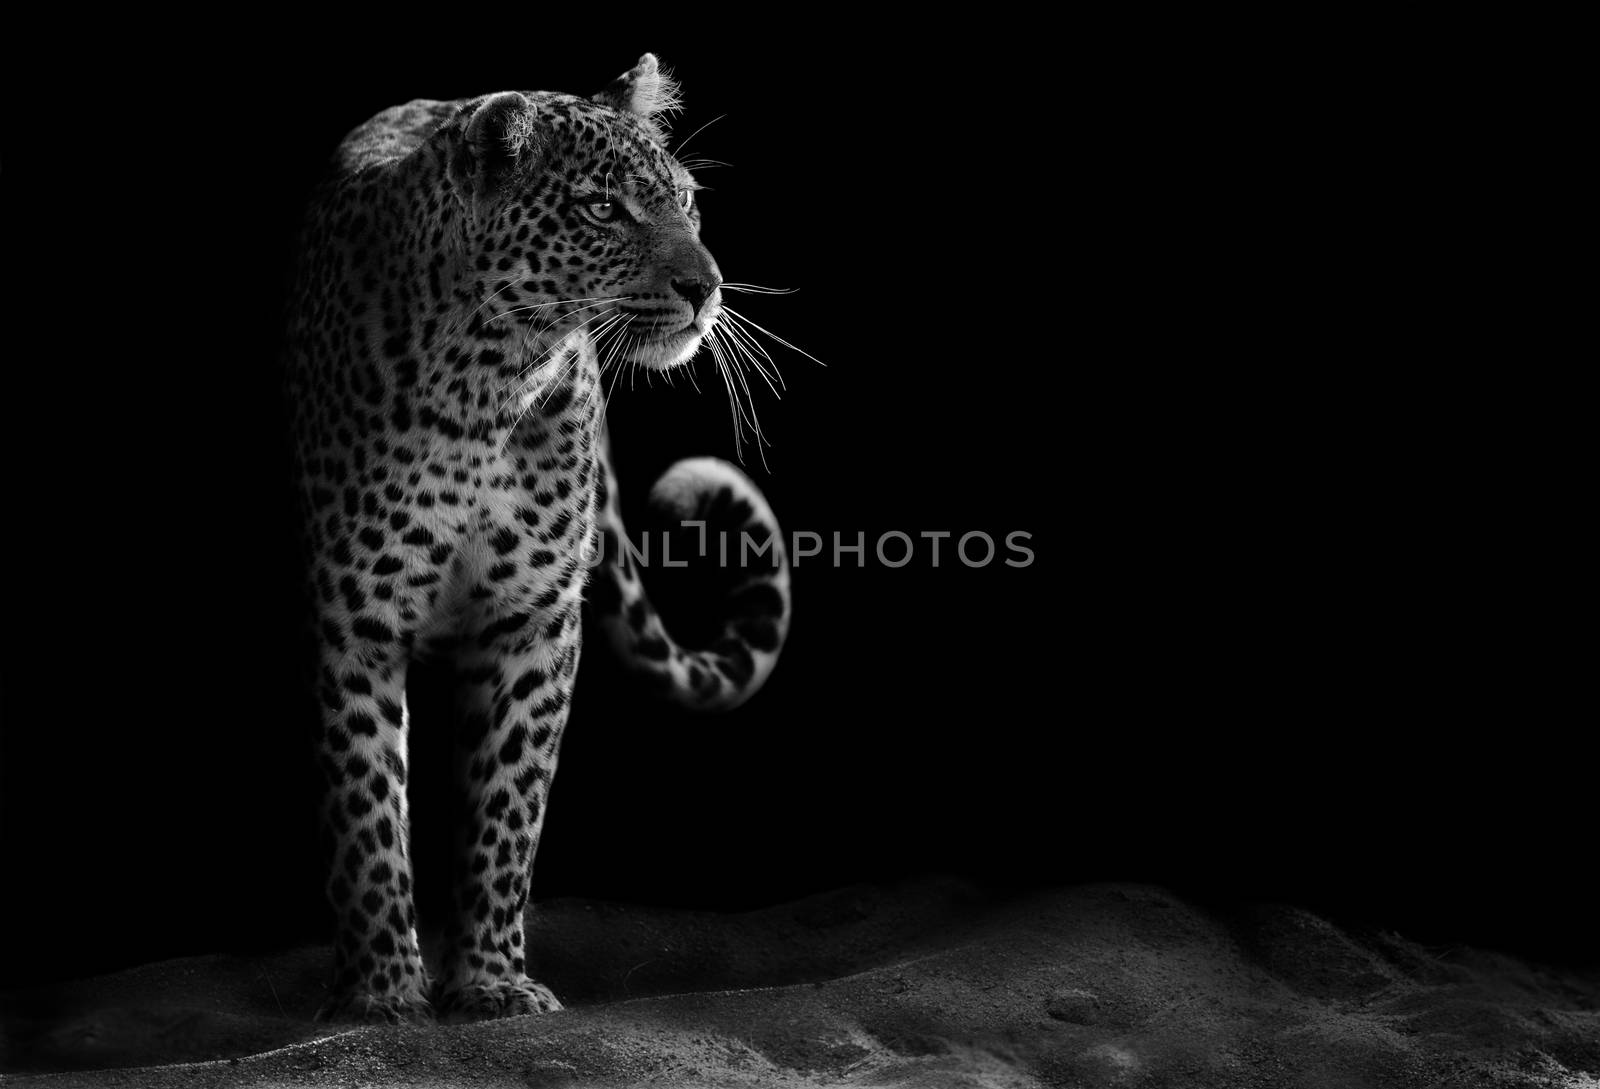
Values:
[(742, 537)]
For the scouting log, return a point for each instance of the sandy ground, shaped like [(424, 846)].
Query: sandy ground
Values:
[(930, 986)]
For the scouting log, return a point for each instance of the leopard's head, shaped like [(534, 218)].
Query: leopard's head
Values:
[(579, 223)]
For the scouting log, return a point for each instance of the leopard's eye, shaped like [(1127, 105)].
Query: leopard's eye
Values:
[(686, 198), (603, 210)]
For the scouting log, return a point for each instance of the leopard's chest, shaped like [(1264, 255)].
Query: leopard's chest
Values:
[(439, 501), (518, 540)]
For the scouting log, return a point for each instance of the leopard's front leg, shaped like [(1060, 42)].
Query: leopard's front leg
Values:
[(516, 680), (378, 970)]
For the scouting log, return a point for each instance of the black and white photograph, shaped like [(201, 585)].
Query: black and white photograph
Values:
[(773, 551)]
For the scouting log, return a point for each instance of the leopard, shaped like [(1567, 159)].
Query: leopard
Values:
[(467, 272)]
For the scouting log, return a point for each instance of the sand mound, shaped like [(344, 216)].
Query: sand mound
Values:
[(928, 986)]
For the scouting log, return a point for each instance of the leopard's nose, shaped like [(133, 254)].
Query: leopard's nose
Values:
[(695, 291)]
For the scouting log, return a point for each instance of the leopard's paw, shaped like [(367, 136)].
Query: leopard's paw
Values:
[(496, 998), (354, 1004)]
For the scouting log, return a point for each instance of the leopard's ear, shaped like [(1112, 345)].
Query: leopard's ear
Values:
[(645, 89), (496, 137)]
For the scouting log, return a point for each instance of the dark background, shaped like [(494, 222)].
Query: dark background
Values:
[(1288, 633)]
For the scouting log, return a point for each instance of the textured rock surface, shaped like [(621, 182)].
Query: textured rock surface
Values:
[(927, 986)]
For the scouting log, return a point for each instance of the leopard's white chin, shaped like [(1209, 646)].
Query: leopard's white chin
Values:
[(670, 350)]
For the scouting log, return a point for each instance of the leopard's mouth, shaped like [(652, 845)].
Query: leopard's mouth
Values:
[(671, 348), (660, 340)]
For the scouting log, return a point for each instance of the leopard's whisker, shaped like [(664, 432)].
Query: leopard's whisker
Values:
[(534, 330), (739, 374), (554, 321), (616, 373), (749, 396), (597, 300), (569, 302), (737, 370), (529, 405), (763, 329), (733, 378), (741, 337), (526, 373), (537, 361), (533, 362), (555, 383), (758, 289), (679, 149), (490, 298), (618, 334), (733, 411), (755, 346)]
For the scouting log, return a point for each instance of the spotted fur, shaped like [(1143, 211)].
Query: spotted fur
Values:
[(467, 273)]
